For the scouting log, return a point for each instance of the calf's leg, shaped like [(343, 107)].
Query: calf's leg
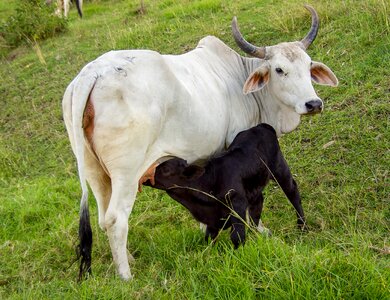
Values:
[(237, 233), (289, 186), (211, 233), (255, 209), (237, 219)]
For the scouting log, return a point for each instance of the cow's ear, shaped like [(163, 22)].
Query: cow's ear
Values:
[(322, 74), (257, 80), (193, 172)]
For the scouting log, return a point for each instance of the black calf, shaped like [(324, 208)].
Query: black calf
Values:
[(220, 194)]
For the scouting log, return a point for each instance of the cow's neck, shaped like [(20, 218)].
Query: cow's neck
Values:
[(272, 111), (279, 116)]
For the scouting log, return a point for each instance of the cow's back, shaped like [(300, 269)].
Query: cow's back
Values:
[(179, 102)]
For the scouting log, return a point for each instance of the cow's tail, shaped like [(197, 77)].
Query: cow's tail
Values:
[(82, 88), (79, 5), (84, 249)]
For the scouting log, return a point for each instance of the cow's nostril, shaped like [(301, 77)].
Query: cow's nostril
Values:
[(309, 107), (314, 106)]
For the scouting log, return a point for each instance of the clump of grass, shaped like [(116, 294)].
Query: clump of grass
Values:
[(32, 20)]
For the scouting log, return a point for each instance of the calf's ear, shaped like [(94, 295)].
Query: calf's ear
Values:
[(166, 171), (321, 74), (193, 172), (257, 80)]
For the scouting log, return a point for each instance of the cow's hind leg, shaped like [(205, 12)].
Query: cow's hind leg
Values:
[(66, 7), (116, 221), (125, 169), (100, 184)]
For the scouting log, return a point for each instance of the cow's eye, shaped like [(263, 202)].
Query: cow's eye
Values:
[(279, 71)]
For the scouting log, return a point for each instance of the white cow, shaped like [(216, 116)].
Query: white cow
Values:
[(128, 109), (64, 5)]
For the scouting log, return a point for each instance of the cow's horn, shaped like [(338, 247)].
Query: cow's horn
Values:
[(244, 45), (315, 22)]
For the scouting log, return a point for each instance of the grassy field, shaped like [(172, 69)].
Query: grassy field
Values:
[(341, 161)]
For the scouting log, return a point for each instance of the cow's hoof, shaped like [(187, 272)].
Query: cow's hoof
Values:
[(124, 272), (126, 277), (303, 227), (265, 231)]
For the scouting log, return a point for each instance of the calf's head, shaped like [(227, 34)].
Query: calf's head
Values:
[(176, 172), (184, 183), (287, 70)]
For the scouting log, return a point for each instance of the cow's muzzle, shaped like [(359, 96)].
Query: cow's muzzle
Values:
[(313, 106)]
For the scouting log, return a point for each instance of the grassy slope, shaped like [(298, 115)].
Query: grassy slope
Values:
[(345, 186)]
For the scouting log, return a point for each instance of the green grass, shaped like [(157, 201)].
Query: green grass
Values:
[(344, 184)]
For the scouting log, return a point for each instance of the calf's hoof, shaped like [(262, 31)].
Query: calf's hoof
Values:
[(130, 257), (202, 227), (303, 227), (263, 230)]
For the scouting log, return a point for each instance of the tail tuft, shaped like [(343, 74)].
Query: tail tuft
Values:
[(84, 249)]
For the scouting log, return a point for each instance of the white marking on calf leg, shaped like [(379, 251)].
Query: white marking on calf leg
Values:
[(263, 230), (202, 227)]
